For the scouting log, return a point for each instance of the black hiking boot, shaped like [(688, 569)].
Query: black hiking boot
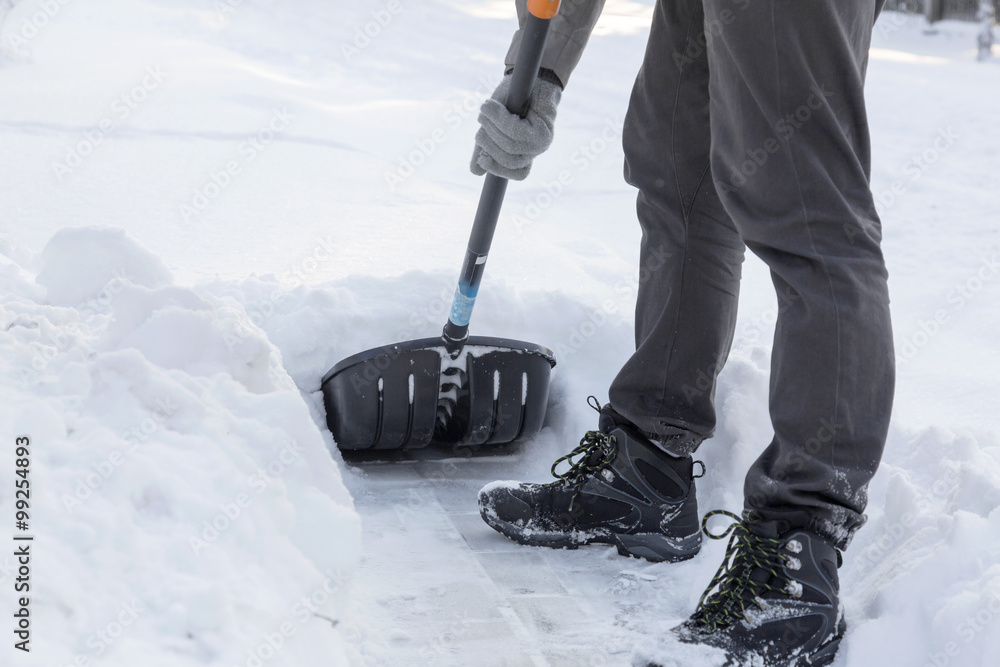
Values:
[(775, 603), (620, 489)]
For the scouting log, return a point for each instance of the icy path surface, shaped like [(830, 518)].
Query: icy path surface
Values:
[(464, 595), (289, 201)]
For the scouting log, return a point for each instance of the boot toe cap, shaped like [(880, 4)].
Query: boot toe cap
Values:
[(503, 500)]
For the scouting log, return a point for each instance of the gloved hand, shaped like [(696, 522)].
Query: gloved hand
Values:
[(506, 144)]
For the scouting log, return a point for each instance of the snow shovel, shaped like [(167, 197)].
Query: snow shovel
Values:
[(455, 390)]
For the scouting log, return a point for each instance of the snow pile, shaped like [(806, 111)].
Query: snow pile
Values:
[(185, 506), (922, 580)]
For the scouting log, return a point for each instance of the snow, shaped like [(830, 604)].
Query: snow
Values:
[(677, 654), (293, 191), (184, 502)]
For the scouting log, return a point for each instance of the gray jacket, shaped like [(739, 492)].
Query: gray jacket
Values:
[(568, 35)]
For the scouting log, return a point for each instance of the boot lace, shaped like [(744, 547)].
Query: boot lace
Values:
[(736, 590), (595, 453)]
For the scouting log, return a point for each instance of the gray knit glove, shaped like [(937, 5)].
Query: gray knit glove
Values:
[(506, 144)]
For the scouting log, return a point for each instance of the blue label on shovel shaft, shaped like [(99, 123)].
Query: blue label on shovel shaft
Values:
[(461, 309)]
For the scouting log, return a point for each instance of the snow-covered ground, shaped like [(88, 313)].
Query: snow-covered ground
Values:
[(293, 190)]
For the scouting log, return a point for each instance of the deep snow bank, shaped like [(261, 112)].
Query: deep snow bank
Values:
[(185, 506)]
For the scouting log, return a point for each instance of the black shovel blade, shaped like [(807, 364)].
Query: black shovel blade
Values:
[(414, 394)]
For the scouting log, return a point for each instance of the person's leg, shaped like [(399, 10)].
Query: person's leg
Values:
[(790, 155), (691, 252), (623, 485)]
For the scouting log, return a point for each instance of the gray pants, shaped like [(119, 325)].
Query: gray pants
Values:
[(747, 126)]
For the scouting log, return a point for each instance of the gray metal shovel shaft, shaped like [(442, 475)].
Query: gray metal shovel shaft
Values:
[(529, 57)]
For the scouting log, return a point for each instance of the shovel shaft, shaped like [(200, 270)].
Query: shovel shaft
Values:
[(529, 57)]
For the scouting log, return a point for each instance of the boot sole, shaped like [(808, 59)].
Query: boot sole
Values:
[(654, 547), (822, 658), (823, 655)]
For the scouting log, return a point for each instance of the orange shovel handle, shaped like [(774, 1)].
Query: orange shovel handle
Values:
[(543, 9)]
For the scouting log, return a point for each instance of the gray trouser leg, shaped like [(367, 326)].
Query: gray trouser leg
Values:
[(789, 158), (691, 252)]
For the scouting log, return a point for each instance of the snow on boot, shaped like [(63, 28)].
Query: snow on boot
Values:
[(775, 604), (620, 489)]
